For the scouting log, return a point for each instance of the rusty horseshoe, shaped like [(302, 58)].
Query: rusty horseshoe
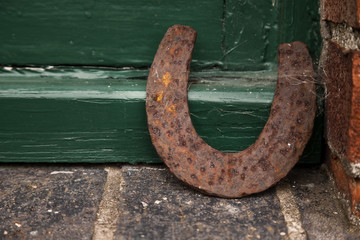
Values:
[(231, 175)]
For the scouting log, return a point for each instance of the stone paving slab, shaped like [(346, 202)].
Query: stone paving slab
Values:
[(155, 205), (322, 214), (49, 202), (116, 201)]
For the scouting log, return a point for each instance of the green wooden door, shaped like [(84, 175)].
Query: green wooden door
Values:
[(72, 82)]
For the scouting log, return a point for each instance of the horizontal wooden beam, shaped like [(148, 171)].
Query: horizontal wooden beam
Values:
[(98, 115)]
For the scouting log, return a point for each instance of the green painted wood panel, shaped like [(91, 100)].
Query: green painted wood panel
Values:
[(105, 33), (254, 29), (301, 22), (251, 38), (91, 115), (66, 114), (232, 34)]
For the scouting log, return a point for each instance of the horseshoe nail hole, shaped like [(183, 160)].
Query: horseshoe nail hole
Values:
[(242, 176), (175, 51), (156, 131), (155, 114), (264, 165), (194, 177), (283, 152), (169, 133), (289, 52), (195, 146), (299, 121), (183, 143), (233, 172), (220, 179), (232, 161)]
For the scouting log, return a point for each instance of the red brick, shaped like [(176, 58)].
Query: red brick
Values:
[(348, 186), (341, 11), (354, 128), (342, 103)]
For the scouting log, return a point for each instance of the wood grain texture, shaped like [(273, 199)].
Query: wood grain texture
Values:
[(91, 115)]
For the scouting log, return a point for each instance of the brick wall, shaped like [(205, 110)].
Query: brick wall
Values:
[(340, 69)]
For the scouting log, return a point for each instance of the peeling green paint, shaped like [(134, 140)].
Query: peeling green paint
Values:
[(84, 115)]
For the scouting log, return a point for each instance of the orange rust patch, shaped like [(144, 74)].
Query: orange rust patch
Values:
[(166, 78), (159, 96), (171, 108)]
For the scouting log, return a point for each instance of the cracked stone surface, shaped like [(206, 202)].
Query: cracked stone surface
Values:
[(49, 202)]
